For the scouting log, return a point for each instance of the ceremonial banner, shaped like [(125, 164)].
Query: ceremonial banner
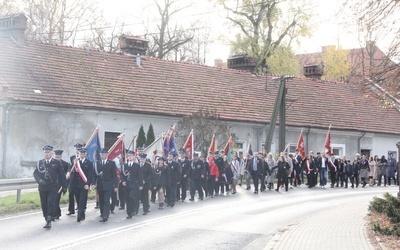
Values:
[(213, 145), (172, 147), (328, 144), (228, 149), (93, 147), (155, 148), (301, 147), (188, 146), (118, 148)]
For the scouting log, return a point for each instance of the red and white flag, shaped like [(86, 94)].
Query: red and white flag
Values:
[(188, 146), (117, 149), (301, 147), (328, 143)]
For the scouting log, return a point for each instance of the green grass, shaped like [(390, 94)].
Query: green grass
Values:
[(28, 202)]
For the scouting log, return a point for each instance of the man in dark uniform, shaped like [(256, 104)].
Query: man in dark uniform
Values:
[(106, 181), (204, 182), (132, 180), (197, 173), (81, 180), (147, 172), (65, 167), (50, 176), (173, 175), (183, 180), (73, 196)]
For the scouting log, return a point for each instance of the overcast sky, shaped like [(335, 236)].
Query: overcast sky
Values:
[(326, 26)]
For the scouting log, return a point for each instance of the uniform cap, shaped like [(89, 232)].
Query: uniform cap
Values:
[(58, 152), (47, 148), (82, 150), (78, 145), (103, 151), (129, 152), (143, 156)]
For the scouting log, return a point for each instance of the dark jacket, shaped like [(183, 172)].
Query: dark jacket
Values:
[(319, 163), (105, 176), (197, 170), (185, 166), (147, 173), (87, 168), (282, 167), (132, 176), (173, 173), (160, 176), (50, 176), (250, 166)]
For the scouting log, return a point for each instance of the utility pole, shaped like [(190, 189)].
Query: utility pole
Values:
[(279, 106)]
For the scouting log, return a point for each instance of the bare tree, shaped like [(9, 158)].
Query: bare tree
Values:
[(59, 20), (204, 123), (104, 40), (267, 24), (376, 22), (169, 36), (7, 7), (197, 49)]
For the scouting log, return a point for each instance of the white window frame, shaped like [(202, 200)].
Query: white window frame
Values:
[(341, 148)]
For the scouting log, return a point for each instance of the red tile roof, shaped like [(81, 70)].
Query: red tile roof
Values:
[(75, 77)]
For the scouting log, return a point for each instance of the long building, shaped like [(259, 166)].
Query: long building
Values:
[(55, 94)]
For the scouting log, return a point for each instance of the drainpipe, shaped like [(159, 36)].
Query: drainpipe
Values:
[(308, 132), (4, 143), (359, 142)]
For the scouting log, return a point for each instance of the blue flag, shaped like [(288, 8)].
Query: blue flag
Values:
[(172, 147), (93, 149)]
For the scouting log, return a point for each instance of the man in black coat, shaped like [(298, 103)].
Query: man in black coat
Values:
[(50, 176), (147, 173), (106, 181), (183, 179), (132, 180), (73, 196), (197, 173), (219, 161), (173, 178), (65, 167), (81, 178)]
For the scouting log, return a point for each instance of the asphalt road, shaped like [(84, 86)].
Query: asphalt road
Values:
[(241, 221)]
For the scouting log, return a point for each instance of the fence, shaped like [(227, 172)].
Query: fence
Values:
[(17, 184)]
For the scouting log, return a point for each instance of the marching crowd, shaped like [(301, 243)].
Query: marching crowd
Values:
[(140, 181)]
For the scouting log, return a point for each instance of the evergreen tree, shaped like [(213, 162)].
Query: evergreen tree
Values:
[(150, 137), (141, 140)]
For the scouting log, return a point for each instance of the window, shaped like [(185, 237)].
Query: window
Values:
[(110, 138), (366, 152), (339, 150), (240, 147)]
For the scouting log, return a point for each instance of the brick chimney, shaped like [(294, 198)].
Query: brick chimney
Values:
[(219, 63), (242, 62), (13, 26), (314, 70), (133, 45)]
